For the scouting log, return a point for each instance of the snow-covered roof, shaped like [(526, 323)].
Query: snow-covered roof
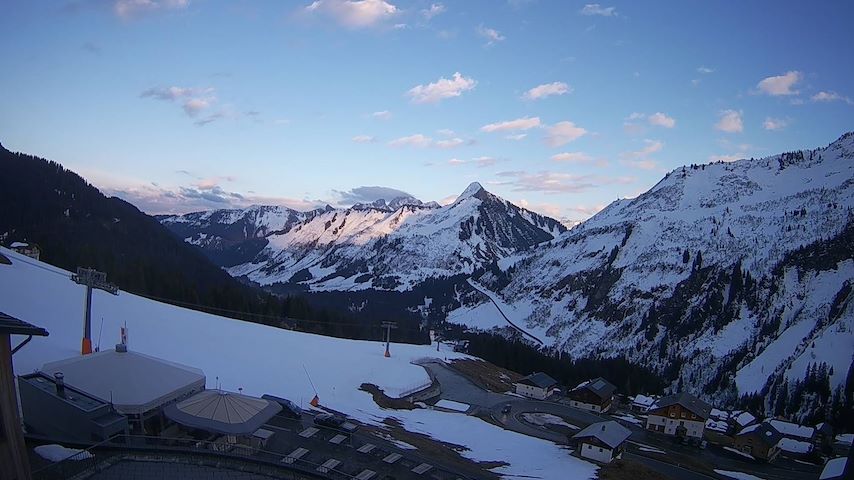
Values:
[(610, 433), (19, 245), (834, 469), (643, 400), (598, 386), (743, 418), (134, 382), (717, 425), (685, 399), (792, 429), (794, 446), (764, 432), (539, 379)]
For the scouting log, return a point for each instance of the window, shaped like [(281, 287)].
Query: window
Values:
[(600, 449), (683, 415)]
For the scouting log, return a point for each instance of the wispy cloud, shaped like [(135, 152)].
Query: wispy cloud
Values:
[(480, 162), (562, 133), (417, 140), (578, 158), (547, 90), (194, 101), (491, 35), (704, 70), (441, 89), (774, 124), (556, 182), (641, 158), (524, 123), (661, 120), (434, 10), (516, 137), (366, 194), (825, 96), (596, 9), (128, 9), (423, 141), (382, 115), (364, 139), (780, 84), (730, 121), (354, 14)]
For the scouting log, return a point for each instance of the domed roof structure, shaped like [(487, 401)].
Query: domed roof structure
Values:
[(223, 412)]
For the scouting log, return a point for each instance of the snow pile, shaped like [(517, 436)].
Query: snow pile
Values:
[(262, 359), (543, 419), (452, 405), (58, 453)]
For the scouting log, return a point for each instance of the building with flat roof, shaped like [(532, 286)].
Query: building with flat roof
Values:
[(55, 410), (137, 385), (14, 463)]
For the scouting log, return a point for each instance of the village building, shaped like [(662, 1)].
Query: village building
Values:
[(797, 439), (14, 462), (719, 421), (536, 385), (838, 468), (740, 419), (760, 441), (136, 385), (641, 403), (233, 420), (601, 441), (682, 415), (823, 439), (593, 395), (29, 249)]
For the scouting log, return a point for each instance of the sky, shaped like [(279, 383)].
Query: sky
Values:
[(561, 107)]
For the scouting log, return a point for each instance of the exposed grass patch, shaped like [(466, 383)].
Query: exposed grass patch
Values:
[(487, 375), (383, 400)]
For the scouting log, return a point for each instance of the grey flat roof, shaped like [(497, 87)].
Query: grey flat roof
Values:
[(13, 326), (134, 382), (610, 433)]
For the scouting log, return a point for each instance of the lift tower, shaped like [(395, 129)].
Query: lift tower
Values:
[(91, 278)]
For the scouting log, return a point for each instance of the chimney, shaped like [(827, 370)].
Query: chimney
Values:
[(59, 378)]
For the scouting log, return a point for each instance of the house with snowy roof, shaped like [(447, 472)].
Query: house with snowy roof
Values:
[(29, 249), (601, 441), (681, 415), (761, 441), (740, 419), (594, 395), (797, 439), (536, 385), (641, 403)]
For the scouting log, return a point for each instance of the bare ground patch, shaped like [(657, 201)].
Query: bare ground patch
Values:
[(487, 375)]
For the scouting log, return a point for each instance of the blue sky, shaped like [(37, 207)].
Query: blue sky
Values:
[(179, 105)]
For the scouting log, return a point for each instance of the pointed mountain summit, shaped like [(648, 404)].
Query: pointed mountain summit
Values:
[(387, 245)]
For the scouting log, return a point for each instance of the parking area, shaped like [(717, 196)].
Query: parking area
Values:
[(341, 455)]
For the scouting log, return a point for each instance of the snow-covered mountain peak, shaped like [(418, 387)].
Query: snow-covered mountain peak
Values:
[(473, 189)]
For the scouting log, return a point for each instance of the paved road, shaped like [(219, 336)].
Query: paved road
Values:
[(455, 386)]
